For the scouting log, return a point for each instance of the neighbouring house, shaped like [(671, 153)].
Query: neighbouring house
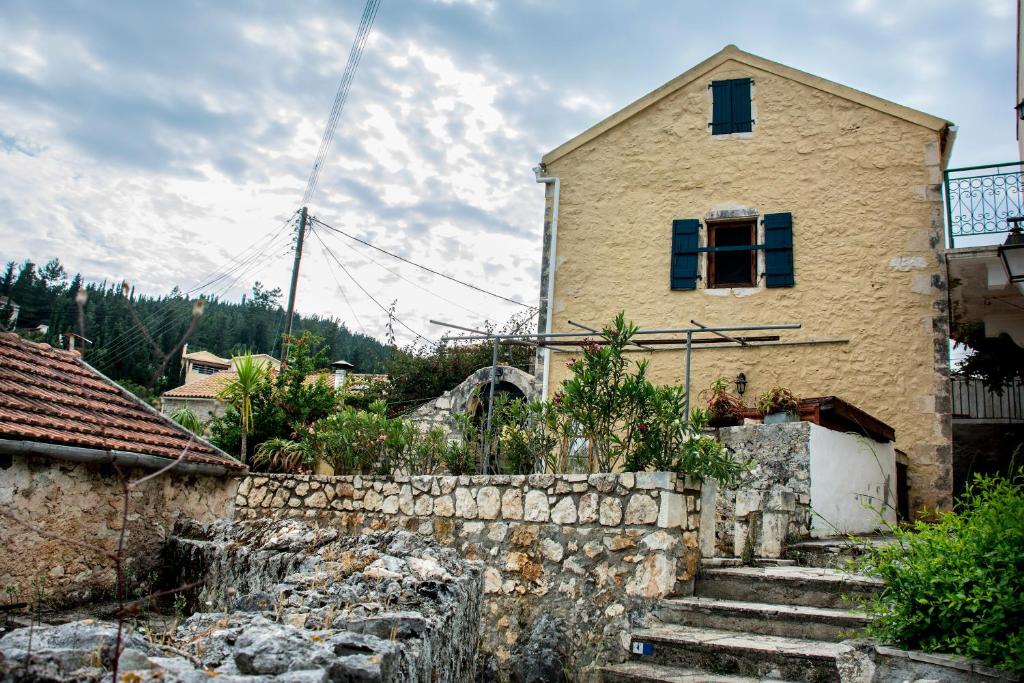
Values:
[(201, 396), (985, 269), (69, 438), (746, 192), (199, 364)]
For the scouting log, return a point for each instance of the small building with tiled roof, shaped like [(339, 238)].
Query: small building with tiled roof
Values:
[(75, 450)]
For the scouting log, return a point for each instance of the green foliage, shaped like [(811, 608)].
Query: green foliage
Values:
[(723, 405), (282, 455), (47, 296), (996, 361), (187, 418), (957, 585), (777, 400), (280, 407), (365, 442), (625, 420), (418, 373)]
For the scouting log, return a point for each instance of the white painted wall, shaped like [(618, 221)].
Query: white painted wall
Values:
[(852, 478)]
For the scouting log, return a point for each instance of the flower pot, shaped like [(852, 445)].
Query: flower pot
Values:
[(780, 418)]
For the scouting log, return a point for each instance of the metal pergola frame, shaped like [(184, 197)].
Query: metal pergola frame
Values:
[(678, 339)]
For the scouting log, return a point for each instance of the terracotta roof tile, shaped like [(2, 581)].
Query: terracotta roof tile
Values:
[(204, 387), (52, 396)]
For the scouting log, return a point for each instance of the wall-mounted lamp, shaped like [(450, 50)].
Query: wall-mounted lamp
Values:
[(1012, 251), (741, 383)]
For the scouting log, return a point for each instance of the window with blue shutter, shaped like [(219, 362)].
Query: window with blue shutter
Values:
[(730, 106), (778, 250), (685, 247)]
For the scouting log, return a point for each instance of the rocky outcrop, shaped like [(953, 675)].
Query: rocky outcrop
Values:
[(286, 602)]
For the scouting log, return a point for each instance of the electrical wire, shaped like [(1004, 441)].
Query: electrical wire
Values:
[(354, 55), (371, 297), (418, 265), (414, 284), (342, 290)]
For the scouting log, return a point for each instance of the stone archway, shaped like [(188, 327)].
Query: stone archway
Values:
[(466, 396)]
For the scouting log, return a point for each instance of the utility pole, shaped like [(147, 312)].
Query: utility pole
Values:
[(295, 283)]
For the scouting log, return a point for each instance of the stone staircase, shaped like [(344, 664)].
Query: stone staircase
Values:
[(747, 624)]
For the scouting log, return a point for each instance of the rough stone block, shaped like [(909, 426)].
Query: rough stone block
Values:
[(610, 512), (564, 512), (587, 513), (535, 507), (390, 505), (747, 501), (424, 506), (552, 550), (641, 509), (654, 577), (512, 504), (465, 504), (488, 502)]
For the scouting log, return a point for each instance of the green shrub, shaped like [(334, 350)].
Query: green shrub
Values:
[(957, 585)]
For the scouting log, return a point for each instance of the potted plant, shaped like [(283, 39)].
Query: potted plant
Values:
[(724, 408), (778, 405)]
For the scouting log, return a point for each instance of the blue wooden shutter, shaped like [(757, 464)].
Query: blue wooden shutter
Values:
[(730, 106), (741, 105), (721, 107), (685, 241), (778, 249)]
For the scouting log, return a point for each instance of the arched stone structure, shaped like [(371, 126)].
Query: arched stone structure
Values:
[(463, 398)]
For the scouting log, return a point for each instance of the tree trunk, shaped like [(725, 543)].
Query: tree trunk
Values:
[(243, 445)]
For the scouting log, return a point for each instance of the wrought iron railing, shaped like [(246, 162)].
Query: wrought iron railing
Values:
[(972, 400), (980, 199)]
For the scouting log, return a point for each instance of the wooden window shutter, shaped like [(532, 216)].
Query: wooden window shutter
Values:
[(685, 242), (730, 106), (721, 107), (741, 122), (778, 249)]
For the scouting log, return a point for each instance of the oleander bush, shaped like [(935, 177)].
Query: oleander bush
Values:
[(957, 585)]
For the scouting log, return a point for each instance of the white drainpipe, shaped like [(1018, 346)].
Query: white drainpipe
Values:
[(550, 180)]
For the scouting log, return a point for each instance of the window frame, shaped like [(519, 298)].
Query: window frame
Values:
[(729, 84), (711, 260)]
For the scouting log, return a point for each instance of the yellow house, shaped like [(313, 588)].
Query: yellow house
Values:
[(745, 192)]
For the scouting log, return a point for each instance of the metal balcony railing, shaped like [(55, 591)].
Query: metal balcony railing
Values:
[(980, 199), (973, 401)]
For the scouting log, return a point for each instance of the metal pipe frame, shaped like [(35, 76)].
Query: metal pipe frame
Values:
[(669, 330)]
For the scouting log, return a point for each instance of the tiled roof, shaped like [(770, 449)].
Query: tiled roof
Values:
[(53, 397), (207, 357), (204, 387)]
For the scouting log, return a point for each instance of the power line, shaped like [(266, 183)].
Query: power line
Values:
[(363, 289), (354, 55), (342, 290), (413, 263), (414, 284)]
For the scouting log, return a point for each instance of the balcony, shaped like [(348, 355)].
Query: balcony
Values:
[(974, 402), (979, 200)]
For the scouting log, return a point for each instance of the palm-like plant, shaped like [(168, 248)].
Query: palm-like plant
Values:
[(187, 418), (281, 455), (238, 393)]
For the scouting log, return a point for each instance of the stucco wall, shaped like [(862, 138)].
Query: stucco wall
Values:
[(853, 483), (84, 502), (570, 560), (863, 188)]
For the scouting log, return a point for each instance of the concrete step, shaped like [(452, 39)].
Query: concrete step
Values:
[(716, 562), (630, 672), (793, 621), (808, 586), (743, 654), (833, 552)]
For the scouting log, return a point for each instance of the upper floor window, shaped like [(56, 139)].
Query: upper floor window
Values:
[(730, 106), (732, 260)]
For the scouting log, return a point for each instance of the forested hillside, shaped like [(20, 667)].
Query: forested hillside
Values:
[(122, 350)]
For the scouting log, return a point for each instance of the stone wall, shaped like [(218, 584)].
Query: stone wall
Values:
[(83, 502), (570, 561)]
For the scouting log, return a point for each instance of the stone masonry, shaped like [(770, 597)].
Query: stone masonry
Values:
[(570, 561)]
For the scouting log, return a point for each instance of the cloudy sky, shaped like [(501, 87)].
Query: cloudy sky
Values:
[(157, 141)]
